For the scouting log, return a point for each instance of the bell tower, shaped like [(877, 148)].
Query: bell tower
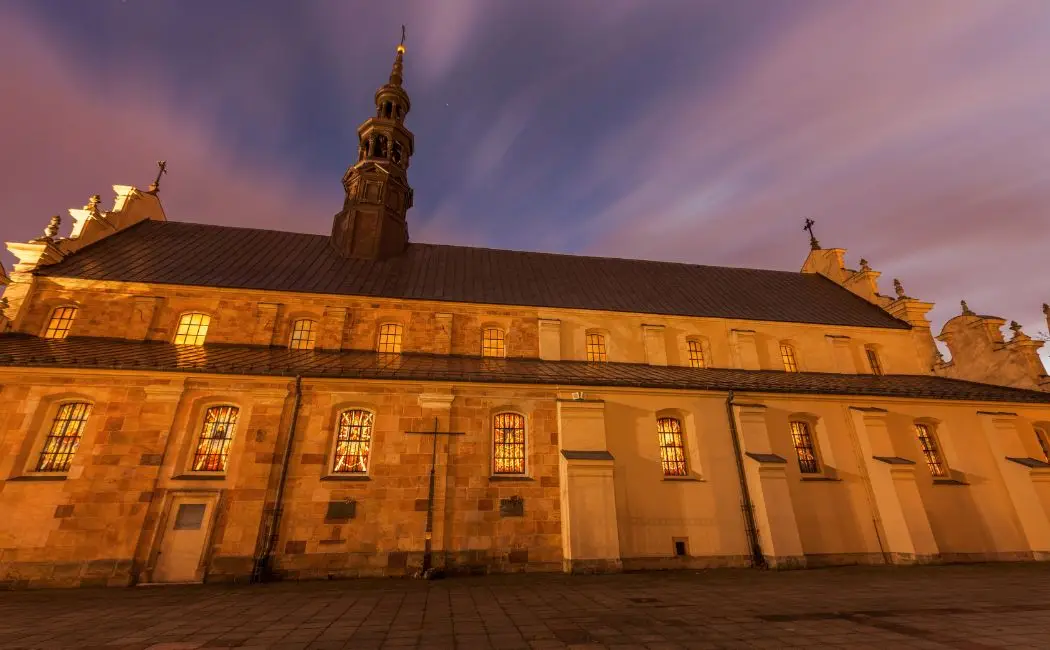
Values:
[(372, 222)]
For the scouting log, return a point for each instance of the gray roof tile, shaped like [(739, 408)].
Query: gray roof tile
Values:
[(243, 258)]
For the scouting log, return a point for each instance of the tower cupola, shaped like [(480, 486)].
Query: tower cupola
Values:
[(372, 223)]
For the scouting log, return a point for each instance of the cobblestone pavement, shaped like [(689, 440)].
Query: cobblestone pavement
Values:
[(978, 606)]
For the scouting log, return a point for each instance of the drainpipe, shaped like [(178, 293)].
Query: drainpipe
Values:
[(750, 527), (261, 566)]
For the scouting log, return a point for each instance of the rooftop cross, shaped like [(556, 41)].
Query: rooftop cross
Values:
[(162, 168), (813, 243)]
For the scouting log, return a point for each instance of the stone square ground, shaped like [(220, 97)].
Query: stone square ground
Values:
[(968, 607)]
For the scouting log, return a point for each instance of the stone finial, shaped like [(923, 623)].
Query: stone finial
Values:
[(1015, 326), (899, 288), (864, 265), (52, 227), (965, 308), (92, 204)]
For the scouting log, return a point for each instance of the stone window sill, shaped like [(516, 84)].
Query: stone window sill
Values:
[(346, 477), (947, 480), (507, 478), (39, 477), (199, 477), (819, 477), (686, 479)]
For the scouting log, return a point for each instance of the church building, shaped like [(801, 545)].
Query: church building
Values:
[(186, 402)]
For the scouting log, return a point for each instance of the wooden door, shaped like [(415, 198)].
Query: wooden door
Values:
[(182, 544)]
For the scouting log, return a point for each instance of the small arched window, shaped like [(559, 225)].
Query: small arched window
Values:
[(930, 449), (1044, 443), (508, 443), (873, 359), (380, 147), (596, 350), (60, 323), (213, 444), (396, 152), (787, 355), (802, 439), (63, 438), (353, 442), (493, 342), (304, 334), (696, 354), (390, 338), (193, 329), (672, 446), (388, 109)]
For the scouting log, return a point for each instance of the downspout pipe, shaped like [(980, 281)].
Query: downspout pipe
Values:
[(261, 566), (750, 526)]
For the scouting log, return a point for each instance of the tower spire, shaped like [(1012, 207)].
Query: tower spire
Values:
[(372, 223), (397, 73)]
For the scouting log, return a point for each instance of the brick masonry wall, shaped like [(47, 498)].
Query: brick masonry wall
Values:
[(102, 523), (106, 309)]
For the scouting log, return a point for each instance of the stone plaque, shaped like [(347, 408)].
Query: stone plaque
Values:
[(512, 507), (339, 511)]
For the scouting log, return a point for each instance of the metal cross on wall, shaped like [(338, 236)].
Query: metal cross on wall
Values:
[(427, 541)]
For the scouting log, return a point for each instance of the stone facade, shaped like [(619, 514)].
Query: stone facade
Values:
[(732, 483)]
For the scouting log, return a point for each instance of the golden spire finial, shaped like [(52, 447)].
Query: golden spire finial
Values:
[(401, 45)]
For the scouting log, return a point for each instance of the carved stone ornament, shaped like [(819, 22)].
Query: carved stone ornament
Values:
[(965, 308), (52, 227), (899, 288)]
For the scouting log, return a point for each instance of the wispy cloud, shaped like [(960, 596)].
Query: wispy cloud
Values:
[(915, 133)]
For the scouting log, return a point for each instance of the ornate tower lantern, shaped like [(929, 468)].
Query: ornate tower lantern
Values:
[(372, 222)]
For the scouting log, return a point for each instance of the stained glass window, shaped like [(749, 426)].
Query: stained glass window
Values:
[(508, 436), (873, 361), (930, 449), (193, 329), (596, 348), (1044, 443), (353, 442), (493, 343), (304, 334), (213, 446), (696, 355), (390, 338), (61, 322), (803, 441), (787, 354), (672, 446), (63, 438)]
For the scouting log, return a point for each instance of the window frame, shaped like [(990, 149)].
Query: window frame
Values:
[(602, 345), (1042, 439), (44, 431), (874, 360), (333, 455), (932, 434), (788, 350), (197, 437), (313, 332), (525, 446), (53, 314), (700, 347), (400, 337), (502, 339), (203, 337), (810, 430), (664, 462)]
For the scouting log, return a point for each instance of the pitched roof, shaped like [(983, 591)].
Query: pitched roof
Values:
[(244, 258), (116, 354)]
